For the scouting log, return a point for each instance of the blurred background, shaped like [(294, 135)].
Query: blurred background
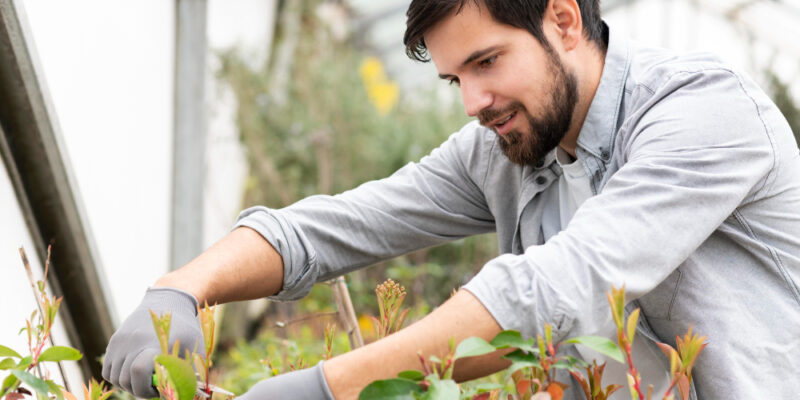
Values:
[(152, 123)]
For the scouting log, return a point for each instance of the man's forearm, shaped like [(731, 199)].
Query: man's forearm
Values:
[(460, 317), (241, 266)]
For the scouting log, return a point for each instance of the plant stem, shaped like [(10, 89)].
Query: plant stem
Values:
[(637, 381), (27, 266), (347, 313), (672, 383)]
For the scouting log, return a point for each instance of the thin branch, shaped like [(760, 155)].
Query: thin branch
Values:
[(36, 295)]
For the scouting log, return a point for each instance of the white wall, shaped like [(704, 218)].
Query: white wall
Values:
[(109, 68)]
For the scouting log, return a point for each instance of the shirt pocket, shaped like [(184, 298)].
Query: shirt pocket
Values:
[(659, 302)]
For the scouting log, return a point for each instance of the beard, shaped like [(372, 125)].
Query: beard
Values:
[(544, 132)]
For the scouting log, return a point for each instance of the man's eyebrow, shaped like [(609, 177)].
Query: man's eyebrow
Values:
[(472, 57), (478, 54)]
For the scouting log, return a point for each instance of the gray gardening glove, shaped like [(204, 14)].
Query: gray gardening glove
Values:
[(305, 384), (128, 362)]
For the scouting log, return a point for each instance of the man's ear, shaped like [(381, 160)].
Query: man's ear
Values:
[(564, 19)]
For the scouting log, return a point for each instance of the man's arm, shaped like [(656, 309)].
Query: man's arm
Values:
[(460, 317), (241, 266)]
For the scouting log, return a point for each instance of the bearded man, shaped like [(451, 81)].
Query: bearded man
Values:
[(597, 163)]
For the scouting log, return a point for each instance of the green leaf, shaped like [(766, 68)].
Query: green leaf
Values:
[(181, 374), (548, 334), (200, 366), (55, 389), (601, 345), (32, 381), (25, 362), (487, 387), (7, 363), (8, 383), (471, 347), (8, 352), (631, 327), (520, 359), (563, 364), (390, 389), (516, 366), (510, 338), (60, 353), (521, 356), (576, 361), (441, 389), (412, 375)]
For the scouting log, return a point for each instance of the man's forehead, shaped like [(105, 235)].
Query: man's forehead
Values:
[(459, 31), (460, 36)]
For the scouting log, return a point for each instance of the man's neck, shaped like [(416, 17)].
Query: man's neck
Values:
[(588, 75)]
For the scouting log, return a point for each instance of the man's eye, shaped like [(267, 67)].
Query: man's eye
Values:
[(454, 81), (488, 61)]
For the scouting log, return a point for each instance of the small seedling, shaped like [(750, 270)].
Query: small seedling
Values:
[(174, 378), (28, 375), (390, 301)]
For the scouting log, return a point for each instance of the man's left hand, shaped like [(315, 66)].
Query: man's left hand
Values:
[(305, 384)]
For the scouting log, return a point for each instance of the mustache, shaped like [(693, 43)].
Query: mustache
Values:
[(488, 115)]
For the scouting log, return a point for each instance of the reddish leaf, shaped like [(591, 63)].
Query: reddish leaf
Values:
[(665, 348), (556, 392), (482, 396), (584, 384), (523, 387), (14, 396), (683, 387)]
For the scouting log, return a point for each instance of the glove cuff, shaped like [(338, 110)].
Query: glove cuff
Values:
[(167, 298)]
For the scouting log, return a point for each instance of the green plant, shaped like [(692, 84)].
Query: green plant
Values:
[(533, 363), (592, 384), (175, 378), (329, 333), (28, 375), (681, 360), (390, 299)]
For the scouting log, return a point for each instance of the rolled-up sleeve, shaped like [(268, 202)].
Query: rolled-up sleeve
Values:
[(696, 151), (438, 199)]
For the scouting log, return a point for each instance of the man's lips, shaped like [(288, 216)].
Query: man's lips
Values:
[(503, 125)]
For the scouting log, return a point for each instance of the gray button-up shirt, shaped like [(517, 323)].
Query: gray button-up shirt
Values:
[(696, 177)]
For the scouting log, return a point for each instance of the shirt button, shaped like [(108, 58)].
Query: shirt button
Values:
[(540, 164), (540, 180)]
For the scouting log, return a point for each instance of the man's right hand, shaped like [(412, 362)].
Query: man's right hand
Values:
[(129, 356)]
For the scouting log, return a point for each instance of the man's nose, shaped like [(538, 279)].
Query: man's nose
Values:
[(475, 98)]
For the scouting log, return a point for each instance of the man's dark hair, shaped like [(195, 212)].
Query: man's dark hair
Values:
[(524, 14)]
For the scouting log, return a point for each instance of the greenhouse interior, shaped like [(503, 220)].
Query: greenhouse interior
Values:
[(134, 133)]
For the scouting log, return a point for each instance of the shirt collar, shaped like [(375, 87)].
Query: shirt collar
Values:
[(597, 133)]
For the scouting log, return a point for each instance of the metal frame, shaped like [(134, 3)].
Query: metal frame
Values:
[(33, 152), (189, 142)]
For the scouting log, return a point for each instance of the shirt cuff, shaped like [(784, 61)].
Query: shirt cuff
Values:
[(299, 261)]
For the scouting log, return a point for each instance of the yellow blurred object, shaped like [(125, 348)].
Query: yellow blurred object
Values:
[(382, 92), (367, 327)]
